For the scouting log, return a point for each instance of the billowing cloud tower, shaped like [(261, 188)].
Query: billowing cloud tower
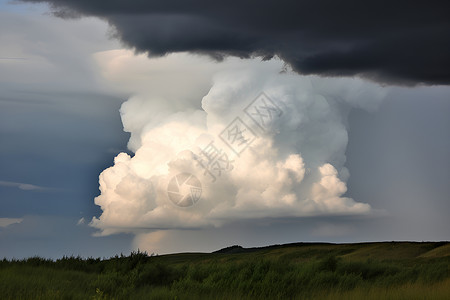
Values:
[(265, 142)]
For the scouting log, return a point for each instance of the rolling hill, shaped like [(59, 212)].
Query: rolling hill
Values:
[(382, 270)]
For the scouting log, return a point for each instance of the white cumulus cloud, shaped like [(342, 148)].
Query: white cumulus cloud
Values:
[(293, 167)]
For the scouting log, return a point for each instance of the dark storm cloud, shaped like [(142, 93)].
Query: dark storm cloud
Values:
[(390, 41)]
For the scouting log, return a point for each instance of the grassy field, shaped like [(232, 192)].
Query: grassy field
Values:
[(391, 270)]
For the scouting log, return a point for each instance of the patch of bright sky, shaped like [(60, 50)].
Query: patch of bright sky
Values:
[(18, 7)]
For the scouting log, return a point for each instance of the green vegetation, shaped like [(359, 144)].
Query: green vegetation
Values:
[(396, 270)]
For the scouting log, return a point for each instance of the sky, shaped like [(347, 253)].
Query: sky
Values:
[(324, 127)]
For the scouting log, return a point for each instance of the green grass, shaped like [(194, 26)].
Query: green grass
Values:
[(395, 270)]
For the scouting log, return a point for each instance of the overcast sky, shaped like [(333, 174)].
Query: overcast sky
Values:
[(93, 133)]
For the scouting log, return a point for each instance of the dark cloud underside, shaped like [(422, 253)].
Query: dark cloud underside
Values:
[(389, 41)]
